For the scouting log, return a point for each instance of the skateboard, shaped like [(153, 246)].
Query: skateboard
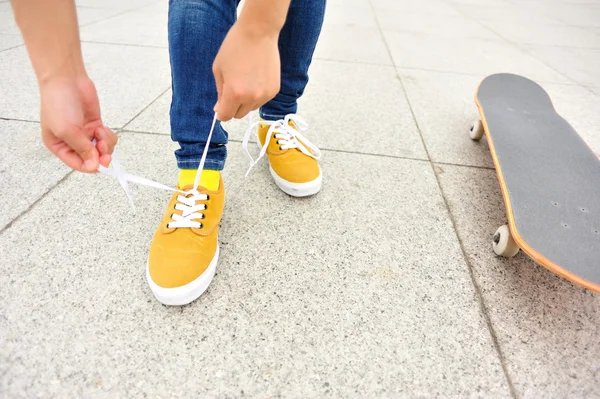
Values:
[(550, 179)]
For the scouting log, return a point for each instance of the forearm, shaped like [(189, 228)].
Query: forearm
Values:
[(264, 17), (51, 33)]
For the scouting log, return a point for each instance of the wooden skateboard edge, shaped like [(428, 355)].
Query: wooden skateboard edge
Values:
[(533, 254)]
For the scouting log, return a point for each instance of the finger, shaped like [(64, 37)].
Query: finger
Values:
[(83, 147), (244, 110), (227, 106), (63, 152), (102, 147), (105, 160), (106, 140)]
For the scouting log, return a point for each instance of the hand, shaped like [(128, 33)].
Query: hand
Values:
[(70, 119), (247, 71)]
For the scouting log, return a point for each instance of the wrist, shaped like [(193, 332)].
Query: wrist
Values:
[(69, 68), (257, 30)]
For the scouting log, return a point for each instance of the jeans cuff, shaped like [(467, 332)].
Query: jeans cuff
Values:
[(209, 164), (270, 117)]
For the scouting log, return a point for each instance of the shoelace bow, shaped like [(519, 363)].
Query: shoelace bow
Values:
[(287, 137), (187, 201)]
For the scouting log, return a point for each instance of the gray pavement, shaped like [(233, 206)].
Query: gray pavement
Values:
[(383, 285)]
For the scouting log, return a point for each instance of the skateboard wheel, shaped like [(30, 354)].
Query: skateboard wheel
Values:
[(503, 243), (476, 130)]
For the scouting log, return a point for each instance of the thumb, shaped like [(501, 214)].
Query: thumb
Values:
[(87, 152)]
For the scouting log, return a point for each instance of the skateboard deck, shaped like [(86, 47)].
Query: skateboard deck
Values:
[(550, 179)]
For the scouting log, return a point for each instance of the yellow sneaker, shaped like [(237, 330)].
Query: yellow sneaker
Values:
[(184, 251), (293, 159)]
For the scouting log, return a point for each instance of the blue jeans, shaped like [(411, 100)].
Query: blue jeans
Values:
[(196, 30)]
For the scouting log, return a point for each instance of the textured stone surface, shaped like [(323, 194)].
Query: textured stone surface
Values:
[(364, 290), (125, 82), (351, 123), (144, 26), (27, 169), (474, 56), (546, 326), (444, 107), (9, 41), (578, 64), (449, 26), (360, 290), (352, 44), (7, 22)]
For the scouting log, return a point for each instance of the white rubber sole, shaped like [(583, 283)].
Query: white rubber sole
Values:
[(185, 294), (297, 189)]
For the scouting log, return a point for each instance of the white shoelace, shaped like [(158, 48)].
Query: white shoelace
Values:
[(186, 201), (287, 137)]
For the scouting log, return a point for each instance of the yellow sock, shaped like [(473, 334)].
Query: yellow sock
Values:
[(210, 178)]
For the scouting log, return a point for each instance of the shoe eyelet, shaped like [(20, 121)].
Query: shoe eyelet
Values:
[(280, 148), (168, 225), (205, 206), (207, 197), (201, 226)]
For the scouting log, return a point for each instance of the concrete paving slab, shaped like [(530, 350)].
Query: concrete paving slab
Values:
[(352, 123), (7, 20), (366, 110), (352, 44), (476, 3), (363, 4), (548, 35), (416, 6), (155, 118), (578, 64), (23, 101), (547, 327), (344, 15), (444, 107), (434, 24), (127, 79), (340, 305), (504, 11), (27, 169), (576, 13), (9, 41), (474, 56), (161, 6), (90, 15), (382, 307), (139, 27)]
